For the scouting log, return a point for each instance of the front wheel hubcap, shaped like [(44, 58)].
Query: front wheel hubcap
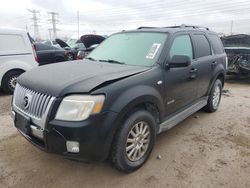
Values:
[(70, 57), (138, 141), (12, 82), (216, 96)]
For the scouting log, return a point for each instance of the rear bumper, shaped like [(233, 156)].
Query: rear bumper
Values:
[(94, 135)]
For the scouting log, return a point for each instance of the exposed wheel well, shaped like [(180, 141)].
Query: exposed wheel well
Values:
[(19, 70), (148, 106), (221, 77)]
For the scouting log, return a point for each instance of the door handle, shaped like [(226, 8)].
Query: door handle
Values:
[(193, 70), (214, 63), (193, 73)]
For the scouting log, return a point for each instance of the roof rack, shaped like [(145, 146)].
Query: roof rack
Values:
[(179, 26), (145, 27)]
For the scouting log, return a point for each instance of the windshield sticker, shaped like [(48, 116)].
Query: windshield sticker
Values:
[(153, 50)]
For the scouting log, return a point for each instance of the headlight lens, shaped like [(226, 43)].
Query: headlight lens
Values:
[(79, 107)]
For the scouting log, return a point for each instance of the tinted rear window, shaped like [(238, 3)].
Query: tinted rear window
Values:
[(201, 46), (216, 44)]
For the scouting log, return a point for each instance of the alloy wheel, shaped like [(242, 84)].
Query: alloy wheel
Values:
[(138, 141), (216, 96)]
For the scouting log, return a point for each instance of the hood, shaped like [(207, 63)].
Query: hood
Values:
[(81, 76), (240, 40), (89, 40), (62, 43)]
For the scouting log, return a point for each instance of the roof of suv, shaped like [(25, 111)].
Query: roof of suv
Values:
[(174, 29)]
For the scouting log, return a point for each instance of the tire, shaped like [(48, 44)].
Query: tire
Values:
[(70, 57), (120, 157), (9, 81), (214, 97)]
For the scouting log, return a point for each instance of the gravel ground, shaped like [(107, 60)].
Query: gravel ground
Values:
[(205, 150)]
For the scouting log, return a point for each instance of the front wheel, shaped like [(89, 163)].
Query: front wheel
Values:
[(134, 141), (214, 97), (9, 81)]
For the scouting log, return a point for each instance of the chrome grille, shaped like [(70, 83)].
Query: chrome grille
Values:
[(37, 102)]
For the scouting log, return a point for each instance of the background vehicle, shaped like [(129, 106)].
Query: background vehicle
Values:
[(71, 52), (115, 103), (17, 55), (49, 54), (84, 53), (77, 49), (237, 48), (51, 43)]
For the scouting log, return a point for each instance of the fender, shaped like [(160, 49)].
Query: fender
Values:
[(217, 71), (15, 64), (135, 96)]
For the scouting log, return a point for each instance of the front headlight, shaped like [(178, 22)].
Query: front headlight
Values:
[(79, 107)]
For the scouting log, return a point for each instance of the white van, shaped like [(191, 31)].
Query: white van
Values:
[(17, 55)]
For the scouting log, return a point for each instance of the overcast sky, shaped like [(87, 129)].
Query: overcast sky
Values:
[(108, 16)]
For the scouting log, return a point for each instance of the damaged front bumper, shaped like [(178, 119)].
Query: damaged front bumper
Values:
[(238, 60)]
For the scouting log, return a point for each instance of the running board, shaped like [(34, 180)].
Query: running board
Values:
[(171, 122)]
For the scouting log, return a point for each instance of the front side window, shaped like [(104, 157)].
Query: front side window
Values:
[(182, 46), (138, 48), (201, 46)]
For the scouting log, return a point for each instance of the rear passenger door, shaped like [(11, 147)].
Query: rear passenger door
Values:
[(203, 60)]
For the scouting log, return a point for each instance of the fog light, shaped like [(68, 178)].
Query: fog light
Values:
[(72, 146)]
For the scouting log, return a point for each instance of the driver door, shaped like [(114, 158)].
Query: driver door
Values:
[(180, 83)]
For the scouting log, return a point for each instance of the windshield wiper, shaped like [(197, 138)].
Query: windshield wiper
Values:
[(90, 58), (111, 61)]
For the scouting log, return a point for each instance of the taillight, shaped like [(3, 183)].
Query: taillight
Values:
[(34, 52), (79, 55)]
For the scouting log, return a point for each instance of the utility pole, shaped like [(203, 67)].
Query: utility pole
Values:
[(54, 22), (35, 22), (231, 28), (78, 24), (50, 37)]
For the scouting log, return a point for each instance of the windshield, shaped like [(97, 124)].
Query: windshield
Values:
[(71, 42), (141, 49)]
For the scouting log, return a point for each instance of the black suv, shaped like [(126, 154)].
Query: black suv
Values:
[(133, 86)]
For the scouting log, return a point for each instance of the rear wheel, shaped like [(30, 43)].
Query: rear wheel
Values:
[(9, 81), (214, 97), (70, 57), (134, 141)]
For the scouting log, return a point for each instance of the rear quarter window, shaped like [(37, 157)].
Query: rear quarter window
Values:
[(12, 43), (201, 46), (216, 44)]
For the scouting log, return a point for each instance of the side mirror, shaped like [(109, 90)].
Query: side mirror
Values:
[(179, 61)]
